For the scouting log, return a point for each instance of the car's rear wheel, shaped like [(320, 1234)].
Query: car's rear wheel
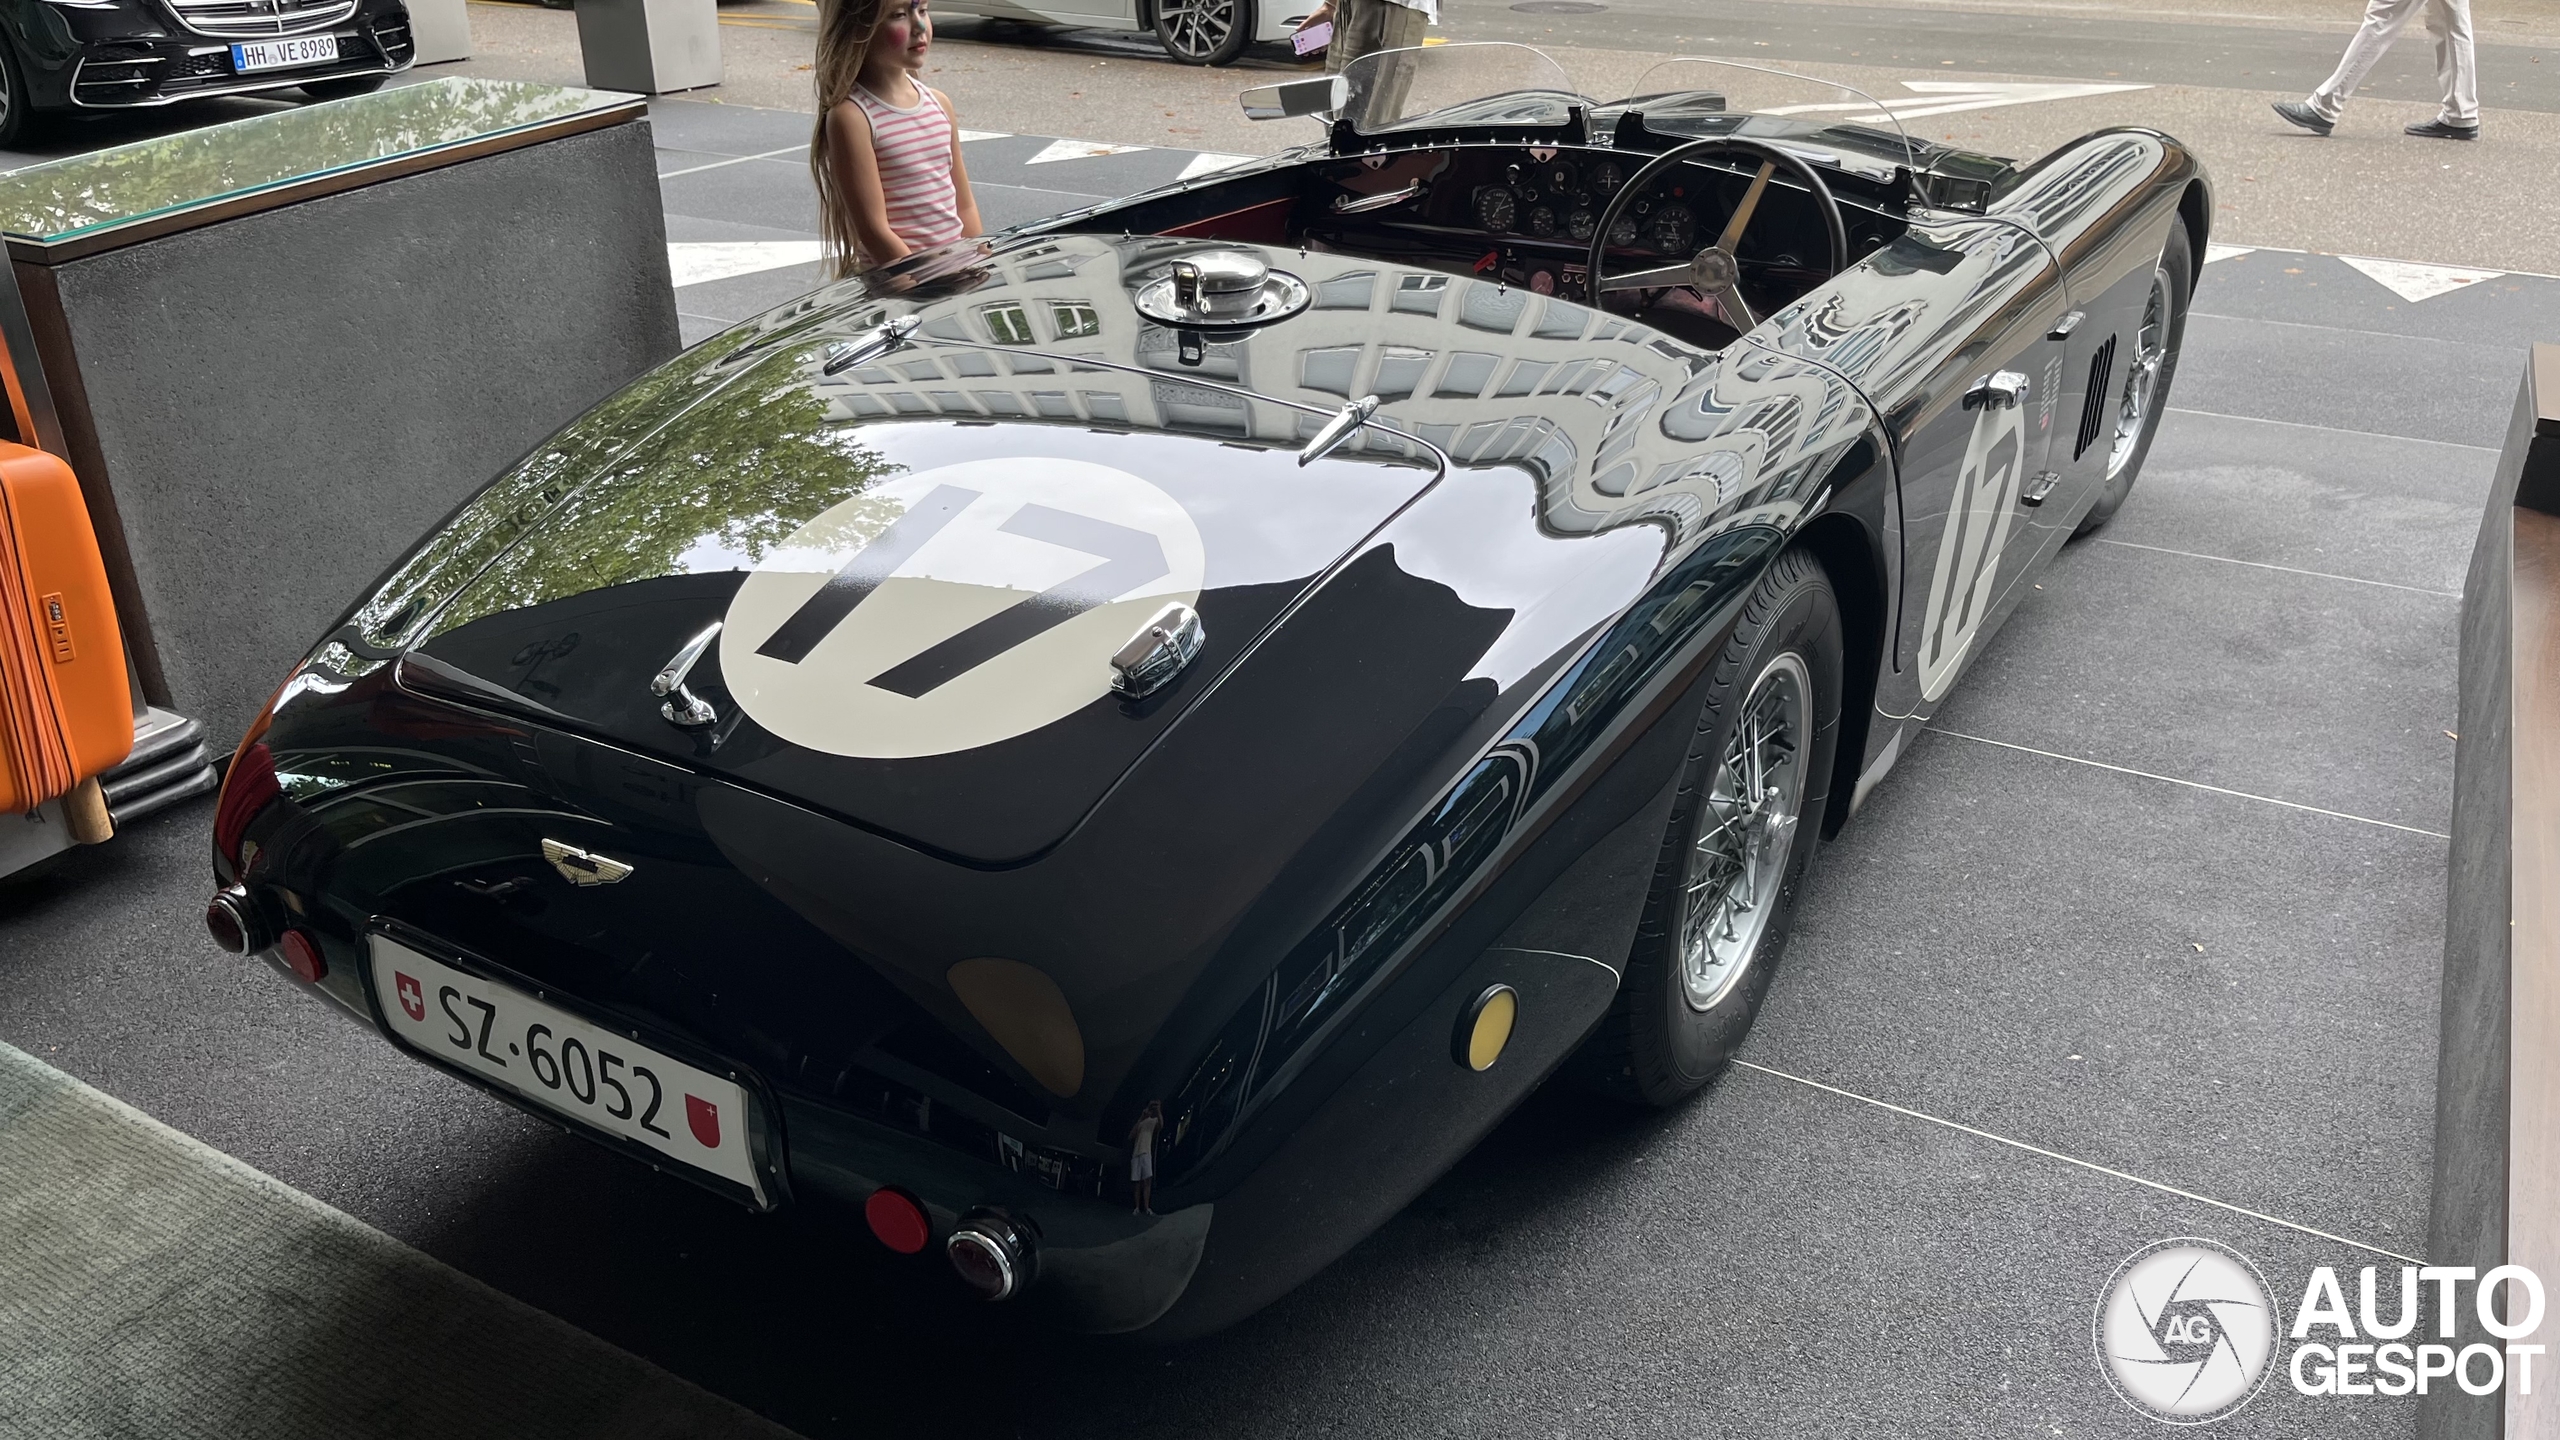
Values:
[(1204, 32), (2144, 392), (1744, 826), (343, 86)]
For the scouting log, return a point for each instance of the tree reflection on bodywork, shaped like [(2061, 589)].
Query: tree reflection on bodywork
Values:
[(715, 492)]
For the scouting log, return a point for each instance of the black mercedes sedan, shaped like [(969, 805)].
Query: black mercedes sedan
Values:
[(60, 55)]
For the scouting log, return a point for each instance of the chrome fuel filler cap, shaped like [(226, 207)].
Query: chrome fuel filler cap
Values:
[(1221, 288)]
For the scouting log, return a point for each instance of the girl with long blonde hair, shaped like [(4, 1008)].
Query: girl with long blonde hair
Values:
[(886, 152)]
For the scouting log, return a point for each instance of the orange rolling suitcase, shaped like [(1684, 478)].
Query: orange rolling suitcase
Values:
[(66, 713)]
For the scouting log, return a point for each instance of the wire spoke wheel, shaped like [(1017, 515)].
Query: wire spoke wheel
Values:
[(1746, 833), (2142, 377)]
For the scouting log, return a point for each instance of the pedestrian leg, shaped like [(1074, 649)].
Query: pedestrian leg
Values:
[(1398, 28), (2382, 22), (2457, 64)]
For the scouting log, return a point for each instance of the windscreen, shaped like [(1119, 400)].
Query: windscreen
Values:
[(1687, 96), (1476, 84)]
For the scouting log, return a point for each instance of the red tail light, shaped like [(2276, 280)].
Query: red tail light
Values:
[(302, 955), (898, 1219)]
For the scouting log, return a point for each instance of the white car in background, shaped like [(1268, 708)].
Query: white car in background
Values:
[(1195, 32)]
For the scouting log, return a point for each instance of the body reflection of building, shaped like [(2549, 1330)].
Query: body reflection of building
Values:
[(1617, 421)]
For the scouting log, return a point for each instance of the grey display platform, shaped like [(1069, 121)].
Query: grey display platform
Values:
[(2497, 1170), (277, 350), (2163, 894)]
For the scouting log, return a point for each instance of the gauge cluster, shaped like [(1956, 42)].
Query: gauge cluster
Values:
[(1560, 199)]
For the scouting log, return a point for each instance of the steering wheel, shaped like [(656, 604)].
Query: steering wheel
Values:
[(1713, 271)]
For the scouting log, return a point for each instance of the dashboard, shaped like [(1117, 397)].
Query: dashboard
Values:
[(1526, 214), (1561, 198)]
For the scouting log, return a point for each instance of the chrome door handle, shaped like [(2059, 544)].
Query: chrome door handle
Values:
[(2040, 487), (2063, 327), (2000, 391)]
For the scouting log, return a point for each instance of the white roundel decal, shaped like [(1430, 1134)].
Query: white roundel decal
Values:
[(955, 608)]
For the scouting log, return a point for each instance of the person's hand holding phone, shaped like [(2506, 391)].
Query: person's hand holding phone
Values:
[(1315, 32)]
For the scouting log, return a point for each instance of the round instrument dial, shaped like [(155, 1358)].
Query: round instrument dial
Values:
[(1542, 220), (1559, 179), (1606, 176), (1624, 232), (1495, 209), (1672, 230), (1578, 224)]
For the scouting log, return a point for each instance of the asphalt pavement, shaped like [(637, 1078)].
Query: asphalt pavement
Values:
[(2139, 940), (2038, 72)]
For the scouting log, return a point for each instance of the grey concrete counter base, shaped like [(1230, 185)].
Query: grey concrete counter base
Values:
[(275, 407)]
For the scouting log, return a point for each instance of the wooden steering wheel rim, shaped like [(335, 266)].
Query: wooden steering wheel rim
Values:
[(1833, 222)]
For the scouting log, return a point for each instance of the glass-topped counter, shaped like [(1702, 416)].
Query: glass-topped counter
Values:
[(95, 201)]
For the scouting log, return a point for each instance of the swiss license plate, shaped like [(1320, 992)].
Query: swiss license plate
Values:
[(597, 1077), (283, 54)]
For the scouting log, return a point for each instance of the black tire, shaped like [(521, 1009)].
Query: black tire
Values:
[(2174, 282), (1190, 30), (18, 121), (343, 87), (1656, 1046)]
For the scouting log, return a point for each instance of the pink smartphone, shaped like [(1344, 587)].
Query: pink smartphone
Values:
[(1313, 38)]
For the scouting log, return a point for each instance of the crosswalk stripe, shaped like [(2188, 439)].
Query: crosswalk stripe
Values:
[(735, 160), (2414, 282), (1950, 97), (699, 262), (1080, 150), (1209, 162)]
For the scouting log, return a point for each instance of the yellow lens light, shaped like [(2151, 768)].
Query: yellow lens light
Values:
[(1485, 1027)]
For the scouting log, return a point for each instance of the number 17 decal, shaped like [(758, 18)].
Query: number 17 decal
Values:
[(1978, 520), (955, 607)]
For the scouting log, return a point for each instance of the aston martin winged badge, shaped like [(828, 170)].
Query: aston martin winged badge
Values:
[(583, 867)]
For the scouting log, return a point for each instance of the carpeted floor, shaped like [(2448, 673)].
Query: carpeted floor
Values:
[(153, 1286)]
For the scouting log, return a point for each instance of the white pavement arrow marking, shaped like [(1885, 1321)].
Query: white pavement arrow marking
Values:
[(1079, 150), (1949, 97), (2414, 283), (2213, 252), (697, 262), (968, 135), (1209, 162)]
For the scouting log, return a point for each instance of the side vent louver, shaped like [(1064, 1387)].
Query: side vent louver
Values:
[(2093, 411)]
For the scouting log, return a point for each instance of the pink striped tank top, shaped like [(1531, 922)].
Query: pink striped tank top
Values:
[(913, 148)]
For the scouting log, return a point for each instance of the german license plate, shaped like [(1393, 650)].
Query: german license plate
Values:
[(597, 1077), (255, 55)]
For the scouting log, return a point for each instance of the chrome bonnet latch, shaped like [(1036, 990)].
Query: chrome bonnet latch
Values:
[(883, 338), (1345, 422), (683, 707), (1157, 653)]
